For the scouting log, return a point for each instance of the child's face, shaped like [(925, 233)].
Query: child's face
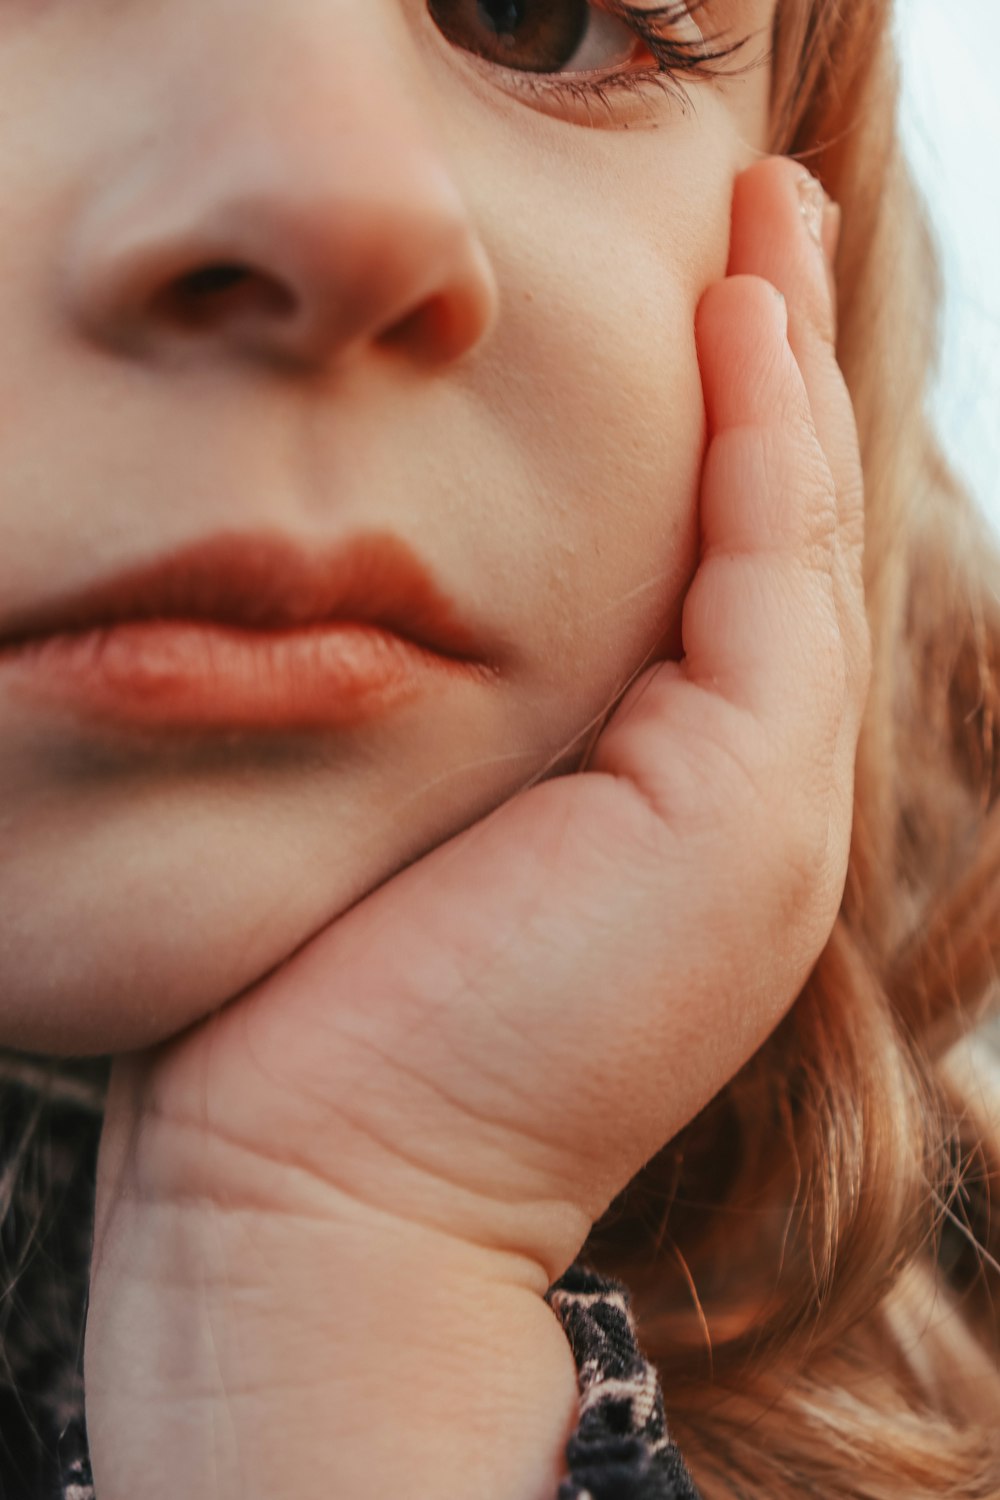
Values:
[(491, 362)]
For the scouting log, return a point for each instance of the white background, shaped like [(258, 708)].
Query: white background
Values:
[(950, 51)]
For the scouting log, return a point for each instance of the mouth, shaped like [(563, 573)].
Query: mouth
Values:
[(247, 632)]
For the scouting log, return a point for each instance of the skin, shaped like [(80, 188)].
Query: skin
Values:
[(545, 469), (317, 1205), (318, 1209)]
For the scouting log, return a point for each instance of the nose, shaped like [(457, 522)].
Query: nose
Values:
[(291, 247)]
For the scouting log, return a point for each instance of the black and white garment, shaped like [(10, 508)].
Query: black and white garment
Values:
[(620, 1449)]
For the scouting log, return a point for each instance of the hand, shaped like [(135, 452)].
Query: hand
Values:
[(327, 1216)]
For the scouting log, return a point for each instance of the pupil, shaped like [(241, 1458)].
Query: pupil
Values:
[(504, 16)]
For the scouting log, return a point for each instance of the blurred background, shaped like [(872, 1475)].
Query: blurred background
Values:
[(951, 128)]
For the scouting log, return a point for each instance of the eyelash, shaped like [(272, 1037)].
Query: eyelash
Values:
[(676, 63)]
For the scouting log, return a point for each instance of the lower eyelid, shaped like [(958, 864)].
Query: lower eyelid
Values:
[(618, 95)]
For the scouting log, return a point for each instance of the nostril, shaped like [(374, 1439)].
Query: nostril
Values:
[(209, 280), (203, 297), (428, 328)]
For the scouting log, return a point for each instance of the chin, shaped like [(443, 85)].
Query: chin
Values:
[(147, 914), (84, 989)]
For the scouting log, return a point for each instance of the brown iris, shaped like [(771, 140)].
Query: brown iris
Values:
[(536, 36)]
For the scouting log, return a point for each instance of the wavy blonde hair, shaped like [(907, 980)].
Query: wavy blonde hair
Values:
[(814, 1260)]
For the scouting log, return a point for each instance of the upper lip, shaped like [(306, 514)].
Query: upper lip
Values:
[(267, 582)]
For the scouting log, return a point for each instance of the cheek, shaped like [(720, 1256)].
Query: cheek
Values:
[(596, 376)]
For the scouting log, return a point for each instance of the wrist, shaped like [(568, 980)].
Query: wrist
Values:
[(231, 1354)]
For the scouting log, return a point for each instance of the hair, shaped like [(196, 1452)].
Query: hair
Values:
[(814, 1259)]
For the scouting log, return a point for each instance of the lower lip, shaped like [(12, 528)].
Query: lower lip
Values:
[(195, 674)]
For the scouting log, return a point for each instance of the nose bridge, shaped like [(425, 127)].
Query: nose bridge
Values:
[(298, 208)]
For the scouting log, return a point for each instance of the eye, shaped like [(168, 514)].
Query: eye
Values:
[(536, 36)]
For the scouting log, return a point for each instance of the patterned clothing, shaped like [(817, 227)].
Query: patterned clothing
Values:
[(620, 1449)]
